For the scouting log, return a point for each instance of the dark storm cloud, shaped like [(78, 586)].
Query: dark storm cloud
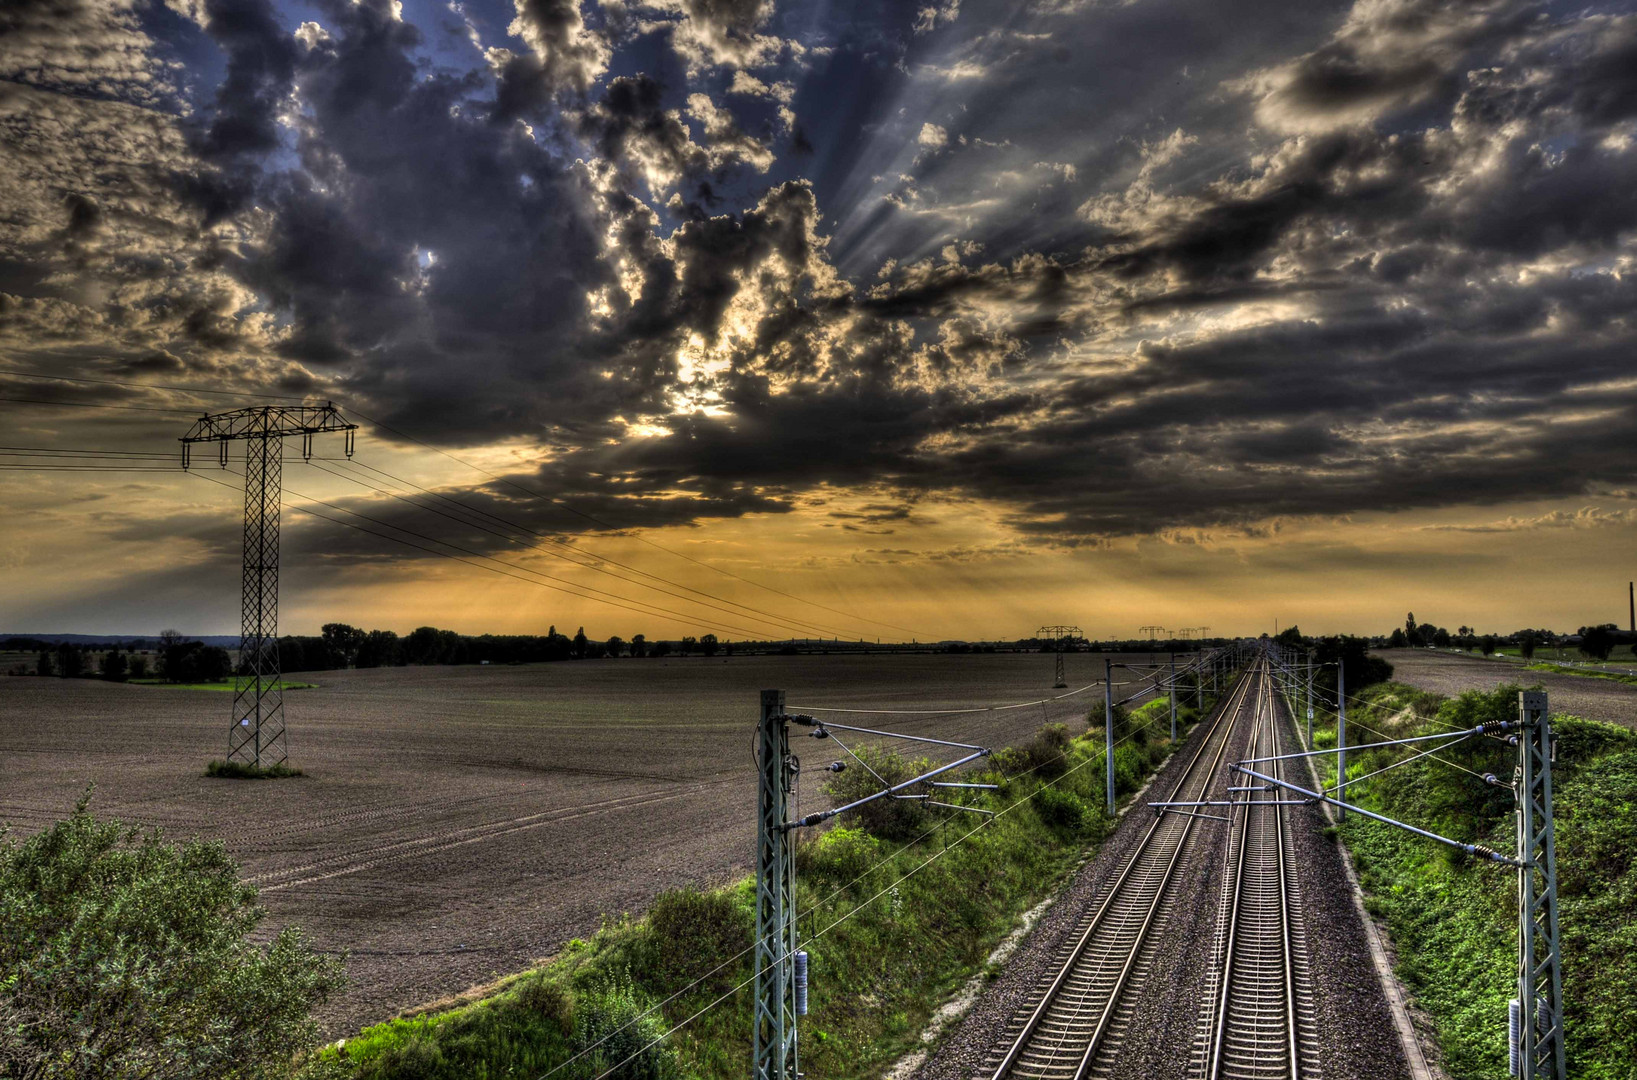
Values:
[(1389, 267), (261, 60)]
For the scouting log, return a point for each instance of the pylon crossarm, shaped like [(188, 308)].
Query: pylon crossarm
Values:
[(268, 421), (1475, 850), (823, 725), (815, 819)]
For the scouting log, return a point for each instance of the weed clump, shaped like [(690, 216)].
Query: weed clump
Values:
[(1045, 757), (841, 855), (692, 934), (547, 999), (1060, 809), (240, 770), (607, 1030)]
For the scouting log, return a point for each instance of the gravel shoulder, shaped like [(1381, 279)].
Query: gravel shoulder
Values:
[(1452, 673)]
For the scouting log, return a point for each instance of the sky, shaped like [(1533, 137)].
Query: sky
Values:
[(771, 319)]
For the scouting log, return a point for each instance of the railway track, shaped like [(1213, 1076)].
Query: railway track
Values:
[(1073, 1026), (1259, 1023)]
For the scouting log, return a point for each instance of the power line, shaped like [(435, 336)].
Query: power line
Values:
[(712, 601), (410, 438), (643, 609), (606, 525), (153, 386), (95, 405)]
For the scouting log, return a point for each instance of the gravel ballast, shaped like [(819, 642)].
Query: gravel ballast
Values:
[(1356, 1032)]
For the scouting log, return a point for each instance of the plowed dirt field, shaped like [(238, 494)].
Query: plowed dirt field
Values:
[(457, 823)]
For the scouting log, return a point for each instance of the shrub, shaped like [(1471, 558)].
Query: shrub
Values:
[(1060, 809), (1045, 756), (128, 956), (549, 1000), (690, 935), (625, 1047), (243, 770), (888, 818)]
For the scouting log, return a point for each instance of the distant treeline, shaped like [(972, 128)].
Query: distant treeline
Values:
[(178, 660), (344, 646)]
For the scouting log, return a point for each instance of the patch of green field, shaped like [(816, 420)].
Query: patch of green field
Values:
[(1588, 673), (212, 685)]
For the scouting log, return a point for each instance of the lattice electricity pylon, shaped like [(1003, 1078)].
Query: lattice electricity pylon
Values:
[(773, 1051), (1538, 1035), (1060, 634), (256, 734), (1152, 633)]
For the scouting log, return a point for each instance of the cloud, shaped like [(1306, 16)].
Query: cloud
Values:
[(567, 54), (723, 33), (1587, 517), (1388, 54), (1294, 305)]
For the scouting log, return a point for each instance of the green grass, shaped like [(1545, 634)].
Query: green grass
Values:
[(892, 930), (1630, 680), (1452, 919), (239, 770), (226, 684)]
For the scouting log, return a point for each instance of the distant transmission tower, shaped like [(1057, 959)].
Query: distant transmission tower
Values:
[(1152, 633), (257, 732), (1060, 635)]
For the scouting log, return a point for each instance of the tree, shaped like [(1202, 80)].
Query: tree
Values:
[(45, 665), (1397, 641), (1290, 635), (70, 661), (661, 648), (344, 642), (708, 644), (114, 665), (687, 645), (423, 645), (615, 645), (138, 668), (379, 649), (1597, 641), (1487, 645), (1526, 644), (579, 643), (639, 646), (129, 956), (1440, 638), (1412, 632)]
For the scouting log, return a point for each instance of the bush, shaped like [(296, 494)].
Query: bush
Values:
[(888, 818), (127, 956), (542, 997), (690, 935), (1060, 809), (243, 770), (1044, 757), (625, 1047)]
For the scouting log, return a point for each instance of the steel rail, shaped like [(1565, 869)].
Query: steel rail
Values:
[(1263, 1012), (1138, 871)]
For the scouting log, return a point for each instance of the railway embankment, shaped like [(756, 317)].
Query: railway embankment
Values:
[(1453, 920)]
